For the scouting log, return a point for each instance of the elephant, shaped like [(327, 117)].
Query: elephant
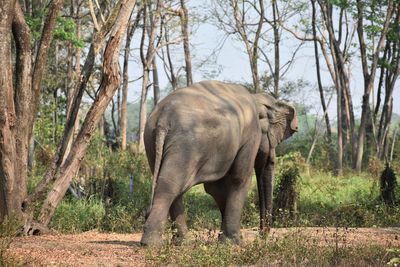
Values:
[(213, 133)]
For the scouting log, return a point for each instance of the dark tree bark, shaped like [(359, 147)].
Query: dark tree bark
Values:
[(21, 106), (7, 112)]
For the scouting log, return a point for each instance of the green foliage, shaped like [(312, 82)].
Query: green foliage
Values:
[(322, 199), (340, 3), (66, 31), (388, 184), (35, 22), (202, 212), (78, 215), (395, 260), (327, 200), (286, 188), (107, 203)]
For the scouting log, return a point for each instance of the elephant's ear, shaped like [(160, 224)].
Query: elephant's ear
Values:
[(278, 119), (283, 123), (265, 108)]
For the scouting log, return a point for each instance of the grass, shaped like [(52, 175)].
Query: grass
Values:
[(293, 249), (324, 200)]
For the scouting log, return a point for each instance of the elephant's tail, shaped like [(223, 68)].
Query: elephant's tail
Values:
[(161, 133)]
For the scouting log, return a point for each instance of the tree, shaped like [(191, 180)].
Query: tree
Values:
[(150, 26), (369, 68), (244, 19), (19, 105), (23, 106), (123, 119)]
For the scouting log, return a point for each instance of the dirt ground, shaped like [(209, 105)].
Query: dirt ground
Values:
[(110, 249)]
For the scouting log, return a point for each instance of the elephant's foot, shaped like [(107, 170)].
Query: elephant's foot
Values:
[(179, 237), (234, 238), (151, 238)]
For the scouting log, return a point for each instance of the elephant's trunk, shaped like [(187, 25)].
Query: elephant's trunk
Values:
[(261, 187)]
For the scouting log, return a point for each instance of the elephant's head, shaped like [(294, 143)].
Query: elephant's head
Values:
[(278, 119)]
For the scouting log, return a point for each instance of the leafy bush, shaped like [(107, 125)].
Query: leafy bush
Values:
[(78, 215), (388, 184), (286, 188)]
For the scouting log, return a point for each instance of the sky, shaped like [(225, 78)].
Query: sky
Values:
[(233, 65)]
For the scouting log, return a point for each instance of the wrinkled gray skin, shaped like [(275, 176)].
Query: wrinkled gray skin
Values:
[(213, 133)]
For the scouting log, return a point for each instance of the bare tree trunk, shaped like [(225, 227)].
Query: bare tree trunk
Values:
[(277, 39), (156, 82), (185, 33), (109, 84), (146, 63), (76, 74), (320, 88), (125, 81), (172, 76), (251, 46), (339, 77), (369, 71)]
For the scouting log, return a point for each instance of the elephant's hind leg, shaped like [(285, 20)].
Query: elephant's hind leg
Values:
[(218, 192), (237, 185), (177, 213), (165, 193)]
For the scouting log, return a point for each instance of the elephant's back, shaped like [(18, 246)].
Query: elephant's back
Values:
[(206, 100), (203, 121)]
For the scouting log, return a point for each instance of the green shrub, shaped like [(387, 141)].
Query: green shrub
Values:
[(388, 184), (78, 215)]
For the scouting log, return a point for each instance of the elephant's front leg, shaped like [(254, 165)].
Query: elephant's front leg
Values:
[(269, 172), (177, 213)]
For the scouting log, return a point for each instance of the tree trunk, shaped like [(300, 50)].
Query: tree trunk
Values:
[(320, 88), (369, 70), (156, 83), (7, 113), (185, 33), (23, 69), (277, 39), (109, 84), (61, 155), (146, 63), (124, 104)]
